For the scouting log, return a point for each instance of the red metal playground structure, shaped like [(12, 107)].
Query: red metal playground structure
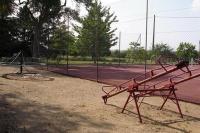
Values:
[(153, 84)]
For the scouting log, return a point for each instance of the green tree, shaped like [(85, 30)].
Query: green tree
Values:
[(96, 35), (36, 13), (114, 53), (186, 51), (63, 40), (10, 32), (6, 8), (135, 52), (135, 45), (27, 28), (162, 49), (9, 42)]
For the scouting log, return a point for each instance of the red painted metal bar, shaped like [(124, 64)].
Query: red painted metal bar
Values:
[(170, 87), (178, 66), (186, 79), (136, 91), (173, 83), (134, 94)]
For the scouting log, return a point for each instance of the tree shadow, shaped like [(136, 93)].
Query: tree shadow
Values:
[(164, 123), (20, 115)]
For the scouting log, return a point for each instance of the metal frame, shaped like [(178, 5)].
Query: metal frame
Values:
[(138, 89), (136, 93), (117, 89)]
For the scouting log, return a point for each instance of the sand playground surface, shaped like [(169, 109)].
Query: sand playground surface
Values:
[(73, 105)]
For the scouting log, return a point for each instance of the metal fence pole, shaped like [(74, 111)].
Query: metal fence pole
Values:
[(147, 6), (68, 44), (199, 48), (96, 57), (96, 49), (119, 46), (21, 62), (154, 27)]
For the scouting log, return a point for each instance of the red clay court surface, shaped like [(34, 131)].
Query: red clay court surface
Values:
[(188, 91)]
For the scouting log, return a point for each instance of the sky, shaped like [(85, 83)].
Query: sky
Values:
[(176, 21)]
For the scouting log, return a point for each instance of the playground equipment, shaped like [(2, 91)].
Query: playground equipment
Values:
[(145, 88), (24, 73)]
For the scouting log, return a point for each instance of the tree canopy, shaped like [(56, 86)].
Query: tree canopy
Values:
[(6, 8), (96, 35), (135, 52), (186, 51), (32, 22), (162, 49)]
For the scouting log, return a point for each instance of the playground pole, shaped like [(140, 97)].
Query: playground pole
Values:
[(119, 45), (147, 6)]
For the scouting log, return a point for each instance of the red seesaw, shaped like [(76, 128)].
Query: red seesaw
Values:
[(140, 88)]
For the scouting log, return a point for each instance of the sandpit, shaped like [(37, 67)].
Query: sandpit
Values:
[(71, 105), (27, 77)]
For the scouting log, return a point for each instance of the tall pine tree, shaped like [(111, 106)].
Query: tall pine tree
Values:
[(96, 36)]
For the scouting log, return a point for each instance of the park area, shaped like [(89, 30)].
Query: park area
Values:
[(69, 104), (99, 66)]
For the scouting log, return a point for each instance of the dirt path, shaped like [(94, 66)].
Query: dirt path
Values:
[(75, 105)]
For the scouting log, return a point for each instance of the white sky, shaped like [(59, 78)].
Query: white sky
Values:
[(196, 3), (169, 30), (131, 16)]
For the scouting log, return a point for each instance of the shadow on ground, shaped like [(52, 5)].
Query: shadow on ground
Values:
[(166, 122), (20, 115)]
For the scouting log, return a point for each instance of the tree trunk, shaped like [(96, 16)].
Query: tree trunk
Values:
[(94, 59), (36, 42)]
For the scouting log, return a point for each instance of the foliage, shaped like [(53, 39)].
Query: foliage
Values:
[(95, 35), (34, 14), (136, 53), (115, 53), (6, 8), (9, 43), (61, 38), (64, 41), (134, 44), (162, 49), (34, 21), (12, 37), (186, 51), (8, 29)]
